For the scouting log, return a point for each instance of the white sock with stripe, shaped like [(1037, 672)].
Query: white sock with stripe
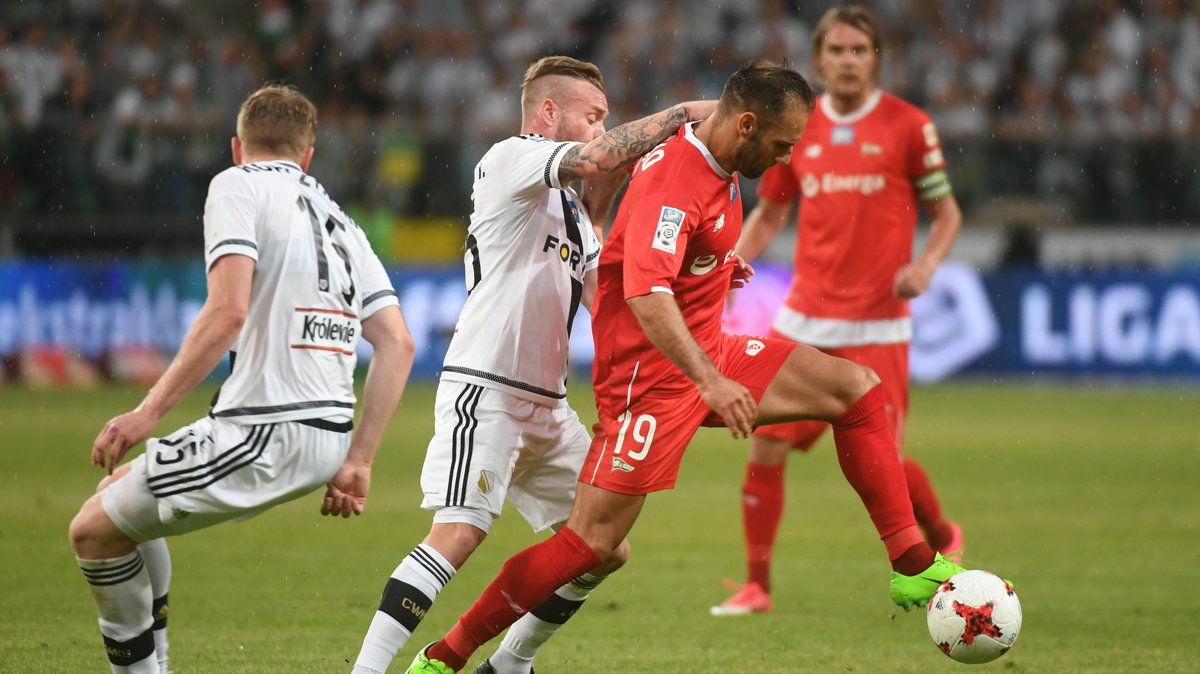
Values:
[(409, 593), (157, 558), (121, 589), (522, 641)]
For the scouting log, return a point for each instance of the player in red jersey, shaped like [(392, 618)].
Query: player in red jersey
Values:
[(864, 161), (664, 368)]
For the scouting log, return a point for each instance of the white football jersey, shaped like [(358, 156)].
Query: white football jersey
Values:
[(316, 280), (529, 245)]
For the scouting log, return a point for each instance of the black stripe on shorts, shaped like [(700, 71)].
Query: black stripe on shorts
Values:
[(462, 444)]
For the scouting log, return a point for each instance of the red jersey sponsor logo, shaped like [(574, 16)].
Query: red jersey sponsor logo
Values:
[(832, 183), (703, 264)]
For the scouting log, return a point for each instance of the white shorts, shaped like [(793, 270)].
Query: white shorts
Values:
[(215, 470), (488, 444)]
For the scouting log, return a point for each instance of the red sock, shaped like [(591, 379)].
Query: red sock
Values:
[(866, 451), (925, 505), (762, 507), (525, 580)]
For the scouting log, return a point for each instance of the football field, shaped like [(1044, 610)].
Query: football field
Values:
[(1087, 498)]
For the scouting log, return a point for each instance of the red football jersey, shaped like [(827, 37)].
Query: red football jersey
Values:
[(859, 177), (675, 232)]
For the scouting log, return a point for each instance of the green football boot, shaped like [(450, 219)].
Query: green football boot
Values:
[(910, 591), (422, 664)]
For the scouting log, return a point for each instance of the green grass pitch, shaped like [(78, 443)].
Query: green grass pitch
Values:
[(1087, 498)]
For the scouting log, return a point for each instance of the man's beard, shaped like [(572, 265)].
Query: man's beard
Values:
[(748, 160)]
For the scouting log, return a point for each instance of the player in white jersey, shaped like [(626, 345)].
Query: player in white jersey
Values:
[(503, 428), (292, 285)]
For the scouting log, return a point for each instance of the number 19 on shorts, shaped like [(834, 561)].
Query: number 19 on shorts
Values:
[(643, 434)]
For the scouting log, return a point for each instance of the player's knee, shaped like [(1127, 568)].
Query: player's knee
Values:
[(858, 381), (615, 560), (79, 534), (83, 534), (455, 541), (768, 451), (602, 547), (872, 378)]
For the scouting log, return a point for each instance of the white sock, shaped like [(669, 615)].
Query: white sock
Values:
[(157, 558), (408, 595), (121, 588), (522, 641)]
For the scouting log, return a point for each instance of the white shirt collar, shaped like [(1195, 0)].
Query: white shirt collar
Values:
[(271, 162), (853, 116), (690, 135)]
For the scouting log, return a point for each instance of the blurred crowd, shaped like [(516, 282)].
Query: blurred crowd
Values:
[(127, 106)]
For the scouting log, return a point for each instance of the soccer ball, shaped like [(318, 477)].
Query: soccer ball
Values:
[(974, 617)]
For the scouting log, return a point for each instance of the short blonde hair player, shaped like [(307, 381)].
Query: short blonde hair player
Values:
[(280, 425)]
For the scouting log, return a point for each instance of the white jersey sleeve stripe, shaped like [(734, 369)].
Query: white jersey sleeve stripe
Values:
[(235, 242), (377, 301), (551, 175), (230, 248)]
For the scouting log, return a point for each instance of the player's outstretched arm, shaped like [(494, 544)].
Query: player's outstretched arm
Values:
[(387, 374), (212, 333), (946, 221), (663, 324), (623, 145)]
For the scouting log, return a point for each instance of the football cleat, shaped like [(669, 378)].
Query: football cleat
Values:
[(750, 599), (486, 667), (910, 591), (422, 664)]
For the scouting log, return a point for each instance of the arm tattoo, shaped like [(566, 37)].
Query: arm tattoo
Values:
[(621, 146)]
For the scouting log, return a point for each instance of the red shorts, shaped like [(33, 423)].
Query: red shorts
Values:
[(638, 450), (890, 362)]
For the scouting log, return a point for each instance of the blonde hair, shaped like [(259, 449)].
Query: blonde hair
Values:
[(560, 65), (857, 17), (277, 118)]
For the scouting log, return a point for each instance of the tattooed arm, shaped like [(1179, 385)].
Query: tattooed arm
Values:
[(624, 144)]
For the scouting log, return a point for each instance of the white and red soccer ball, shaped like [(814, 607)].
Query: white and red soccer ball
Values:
[(974, 617)]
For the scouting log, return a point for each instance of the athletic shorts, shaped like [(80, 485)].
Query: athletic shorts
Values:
[(489, 445), (638, 450), (215, 470), (890, 362)]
